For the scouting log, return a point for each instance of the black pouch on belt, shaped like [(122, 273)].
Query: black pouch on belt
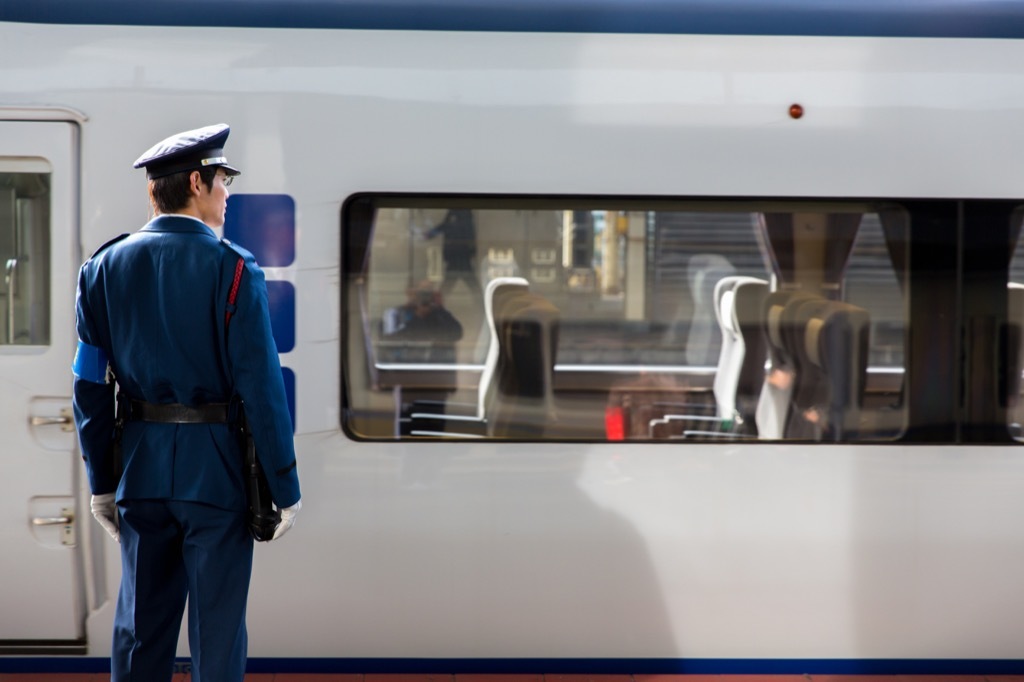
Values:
[(263, 517)]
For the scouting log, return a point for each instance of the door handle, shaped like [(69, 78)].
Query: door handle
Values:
[(65, 421), (52, 520), (11, 280)]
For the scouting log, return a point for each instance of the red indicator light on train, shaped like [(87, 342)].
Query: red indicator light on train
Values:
[(614, 423), (796, 111)]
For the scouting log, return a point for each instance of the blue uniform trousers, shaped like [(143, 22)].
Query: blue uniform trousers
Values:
[(171, 550)]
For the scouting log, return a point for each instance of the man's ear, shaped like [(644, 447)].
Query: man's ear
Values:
[(195, 182)]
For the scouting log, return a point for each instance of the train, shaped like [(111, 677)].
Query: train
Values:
[(732, 375)]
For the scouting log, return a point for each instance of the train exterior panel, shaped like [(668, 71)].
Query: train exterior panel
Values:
[(899, 552)]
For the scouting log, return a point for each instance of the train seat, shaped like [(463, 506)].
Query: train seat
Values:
[(813, 388), (780, 380), (747, 318), (730, 356), (836, 346), (809, 396), (469, 420), (672, 419), (737, 309), (1014, 359), (522, 403)]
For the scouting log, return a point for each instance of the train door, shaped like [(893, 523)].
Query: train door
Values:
[(41, 590)]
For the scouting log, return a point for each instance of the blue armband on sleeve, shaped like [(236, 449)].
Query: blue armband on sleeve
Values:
[(91, 364)]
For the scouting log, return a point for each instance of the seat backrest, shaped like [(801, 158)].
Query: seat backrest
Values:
[(837, 339), (748, 313), (729, 354), (498, 293), (809, 398), (522, 405), (775, 401), (1014, 340), (732, 360)]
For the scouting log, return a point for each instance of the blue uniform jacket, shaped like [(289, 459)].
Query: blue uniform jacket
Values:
[(155, 303)]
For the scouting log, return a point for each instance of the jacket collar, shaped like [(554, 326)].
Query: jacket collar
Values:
[(178, 223)]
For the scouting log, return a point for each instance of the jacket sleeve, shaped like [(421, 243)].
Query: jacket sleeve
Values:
[(93, 404), (256, 372)]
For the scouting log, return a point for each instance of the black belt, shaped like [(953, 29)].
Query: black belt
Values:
[(176, 413)]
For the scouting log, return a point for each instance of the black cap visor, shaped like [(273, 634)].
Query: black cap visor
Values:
[(209, 157)]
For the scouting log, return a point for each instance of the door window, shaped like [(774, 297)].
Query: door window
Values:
[(25, 254)]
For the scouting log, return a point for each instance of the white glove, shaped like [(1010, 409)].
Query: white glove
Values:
[(105, 511), (287, 519)]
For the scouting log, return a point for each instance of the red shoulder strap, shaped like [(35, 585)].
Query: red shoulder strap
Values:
[(239, 267)]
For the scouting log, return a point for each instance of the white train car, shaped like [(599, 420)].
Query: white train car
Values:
[(621, 494)]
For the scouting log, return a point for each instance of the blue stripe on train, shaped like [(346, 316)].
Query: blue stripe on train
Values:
[(883, 18), (565, 666), (669, 666)]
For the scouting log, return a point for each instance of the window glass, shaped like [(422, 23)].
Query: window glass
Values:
[(604, 320), (1015, 330), (25, 256)]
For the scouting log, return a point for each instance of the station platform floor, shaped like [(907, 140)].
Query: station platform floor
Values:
[(352, 677)]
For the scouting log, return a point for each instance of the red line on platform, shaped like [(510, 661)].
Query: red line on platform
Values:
[(310, 677)]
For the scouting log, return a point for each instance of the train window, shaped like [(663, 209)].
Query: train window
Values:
[(539, 318), (25, 254)]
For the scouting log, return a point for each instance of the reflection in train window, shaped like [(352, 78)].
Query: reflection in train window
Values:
[(547, 319), (25, 256), (1015, 330)]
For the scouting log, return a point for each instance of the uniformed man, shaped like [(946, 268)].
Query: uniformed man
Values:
[(178, 321)]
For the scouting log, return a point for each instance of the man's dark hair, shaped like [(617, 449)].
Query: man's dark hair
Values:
[(170, 193)]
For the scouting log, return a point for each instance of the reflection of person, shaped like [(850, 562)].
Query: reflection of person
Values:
[(153, 312), (459, 251), (422, 318)]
